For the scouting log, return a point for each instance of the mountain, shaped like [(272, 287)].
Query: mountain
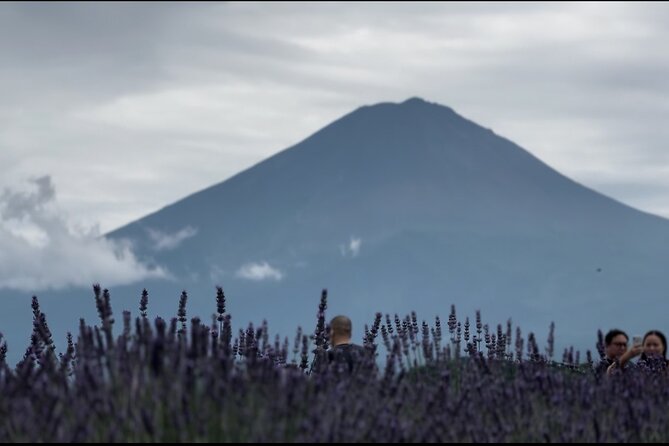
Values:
[(401, 207)]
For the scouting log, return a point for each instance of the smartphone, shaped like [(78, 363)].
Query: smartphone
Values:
[(636, 340)]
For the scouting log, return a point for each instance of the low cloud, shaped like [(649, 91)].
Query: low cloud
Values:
[(259, 271), (352, 249), (354, 246), (40, 250), (166, 242)]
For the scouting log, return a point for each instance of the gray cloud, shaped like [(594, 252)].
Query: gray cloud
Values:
[(258, 271), (352, 248), (114, 101), (42, 250), (19, 205), (165, 242)]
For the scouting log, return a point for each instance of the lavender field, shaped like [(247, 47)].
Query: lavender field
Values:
[(184, 381)]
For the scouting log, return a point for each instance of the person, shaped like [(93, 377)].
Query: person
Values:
[(653, 351), (615, 343), (343, 354)]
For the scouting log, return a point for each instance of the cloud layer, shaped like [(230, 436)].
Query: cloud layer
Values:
[(41, 250), (117, 101)]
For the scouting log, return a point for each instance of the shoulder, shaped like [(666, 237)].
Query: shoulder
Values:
[(652, 363), (350, 348), (605, 362), (360, 349)]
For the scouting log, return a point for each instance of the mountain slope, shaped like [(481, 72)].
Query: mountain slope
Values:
[(442, 210), (400, 207)]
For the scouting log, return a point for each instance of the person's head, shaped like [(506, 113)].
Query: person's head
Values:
[(616, 343), (655, 344), (340, 330)]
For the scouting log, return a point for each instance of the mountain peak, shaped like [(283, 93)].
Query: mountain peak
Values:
[(414, 106), (415, 100)]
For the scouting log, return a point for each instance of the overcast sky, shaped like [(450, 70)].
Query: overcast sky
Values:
[(110, 111)]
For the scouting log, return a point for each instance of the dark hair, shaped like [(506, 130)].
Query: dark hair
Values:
[(662, 337), (612, 334)]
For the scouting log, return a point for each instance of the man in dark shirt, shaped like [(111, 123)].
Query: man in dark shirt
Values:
[(343, 354), (615, 344)]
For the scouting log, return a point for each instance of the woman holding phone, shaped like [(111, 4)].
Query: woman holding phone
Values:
[(653, 351)]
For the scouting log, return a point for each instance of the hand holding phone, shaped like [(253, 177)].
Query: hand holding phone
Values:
[(637, 340)]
